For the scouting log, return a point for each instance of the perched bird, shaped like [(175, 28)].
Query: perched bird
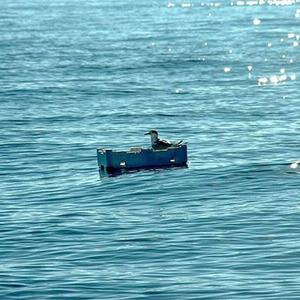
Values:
[(158, 144)]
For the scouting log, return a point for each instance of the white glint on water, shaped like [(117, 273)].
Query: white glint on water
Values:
[(186, 5), (256, 21), (263, 81), (282, 78), (265, 2), (170, 5), (274, 79), (295, 164), (252, 3), (227, 69)]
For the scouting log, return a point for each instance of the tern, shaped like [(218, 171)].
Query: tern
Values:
[(158, 144)]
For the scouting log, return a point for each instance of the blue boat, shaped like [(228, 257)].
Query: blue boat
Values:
[(139, 158)]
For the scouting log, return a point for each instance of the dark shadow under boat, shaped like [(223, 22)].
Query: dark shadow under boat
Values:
[(118, 172)]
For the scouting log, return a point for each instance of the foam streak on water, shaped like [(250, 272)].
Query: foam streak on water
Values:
[(77, 75)]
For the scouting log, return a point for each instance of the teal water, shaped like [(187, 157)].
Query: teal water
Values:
[(77, 75)]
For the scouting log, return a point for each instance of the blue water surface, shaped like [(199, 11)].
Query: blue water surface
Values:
[(77, 75)]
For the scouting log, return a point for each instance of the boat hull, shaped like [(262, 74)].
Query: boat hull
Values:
[(138, 158)]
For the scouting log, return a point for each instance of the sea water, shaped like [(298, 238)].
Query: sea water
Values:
[(77, 75)]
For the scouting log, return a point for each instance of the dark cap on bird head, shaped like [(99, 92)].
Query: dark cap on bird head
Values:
[(152, 131)]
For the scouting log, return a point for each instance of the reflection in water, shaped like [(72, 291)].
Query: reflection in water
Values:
[(115, 173)]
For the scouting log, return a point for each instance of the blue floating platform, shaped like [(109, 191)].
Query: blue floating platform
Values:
[(139, 158)]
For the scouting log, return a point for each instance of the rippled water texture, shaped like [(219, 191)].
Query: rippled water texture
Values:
[(77, 75)]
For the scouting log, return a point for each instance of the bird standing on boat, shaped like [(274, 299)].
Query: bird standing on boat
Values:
[(158, 144)]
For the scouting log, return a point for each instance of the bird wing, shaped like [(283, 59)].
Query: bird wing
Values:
[(166, 142), (170, 144), (178, 142)]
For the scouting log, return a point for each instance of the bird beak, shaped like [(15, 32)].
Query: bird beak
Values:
[(147, 133)]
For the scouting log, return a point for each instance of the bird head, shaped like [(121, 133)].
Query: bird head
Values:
[(152, 132), (154, 136)]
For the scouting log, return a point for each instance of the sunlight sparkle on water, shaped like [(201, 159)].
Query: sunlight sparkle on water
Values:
[(262, 81), (295, 164), (276, 79), (266, 2), (186, 5), (256, 21)]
